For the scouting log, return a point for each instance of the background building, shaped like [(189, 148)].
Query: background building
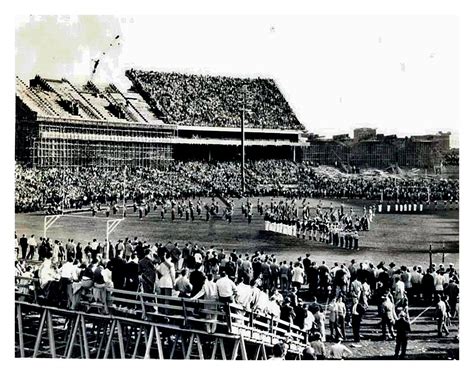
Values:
[(371, 150)]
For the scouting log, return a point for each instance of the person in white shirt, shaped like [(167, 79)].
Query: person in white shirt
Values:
[(298, 276), (244, 295), (260, 300), (439, 281), (32, 244), (47, 273), (166, 273), (338, 350), (67, 274), (416, 277), (209, 293), (308, 321), (226, 288), (273, 307), (67, 270), (399, 290)]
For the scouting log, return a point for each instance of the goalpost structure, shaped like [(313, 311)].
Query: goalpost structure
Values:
[(111, 225), (49, 220)]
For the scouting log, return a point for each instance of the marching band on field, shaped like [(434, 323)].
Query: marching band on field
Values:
[(333, 227)]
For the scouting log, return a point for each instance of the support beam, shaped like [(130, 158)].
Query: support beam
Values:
[(20, 330), (257, 352), (148, 344), (120, 340), (137, 342), (109, 340), (243, 351), (40, 334), (159, 343), (264, 352), (214, 349), (235, 351), (72, 339), (224, 355), (242, 167), (190, 347), (52, 342), (102, 339), (84, 336)]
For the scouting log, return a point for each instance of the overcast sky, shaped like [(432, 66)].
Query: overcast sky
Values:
[(396, 73)]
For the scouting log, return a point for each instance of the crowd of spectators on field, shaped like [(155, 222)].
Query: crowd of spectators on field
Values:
[(319, 298), (56, 189), (215, 100)]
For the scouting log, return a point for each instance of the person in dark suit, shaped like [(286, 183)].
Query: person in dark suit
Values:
[(23, 246), (306, 263), (147, 272), (131, 273), (312, 276), (427, 287), (300, 314), (117, 265), (197, 279)]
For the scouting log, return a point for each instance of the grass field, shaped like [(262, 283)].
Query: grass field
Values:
[(403, 238)]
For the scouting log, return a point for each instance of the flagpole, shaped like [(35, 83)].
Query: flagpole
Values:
[(242, 128)]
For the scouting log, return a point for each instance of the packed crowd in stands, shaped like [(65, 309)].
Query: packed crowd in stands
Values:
[(215, 100), (44, 189), (320, 299)]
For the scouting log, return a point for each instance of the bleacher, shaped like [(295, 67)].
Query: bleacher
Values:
[(214, 100), (197, 317)]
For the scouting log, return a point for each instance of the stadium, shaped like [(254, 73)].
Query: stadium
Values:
[(214, 162)]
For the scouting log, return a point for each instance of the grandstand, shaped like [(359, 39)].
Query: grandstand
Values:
[(163, 117)]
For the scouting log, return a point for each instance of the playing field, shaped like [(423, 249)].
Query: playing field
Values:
[(403, 238)]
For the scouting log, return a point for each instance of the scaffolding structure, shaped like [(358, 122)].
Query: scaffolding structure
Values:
[(103, 145)]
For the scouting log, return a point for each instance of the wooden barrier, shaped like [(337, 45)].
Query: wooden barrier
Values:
[(144, 325)]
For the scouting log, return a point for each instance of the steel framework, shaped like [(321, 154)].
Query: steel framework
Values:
[(140, 325)]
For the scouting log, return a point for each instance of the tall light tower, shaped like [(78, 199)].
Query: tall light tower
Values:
[(242, 127)]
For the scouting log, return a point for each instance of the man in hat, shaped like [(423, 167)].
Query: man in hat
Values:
[(402, 326)]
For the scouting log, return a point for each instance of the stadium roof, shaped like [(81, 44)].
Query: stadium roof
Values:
[(61, 99)]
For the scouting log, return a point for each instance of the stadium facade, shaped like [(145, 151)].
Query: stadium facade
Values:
[(62, 124)]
